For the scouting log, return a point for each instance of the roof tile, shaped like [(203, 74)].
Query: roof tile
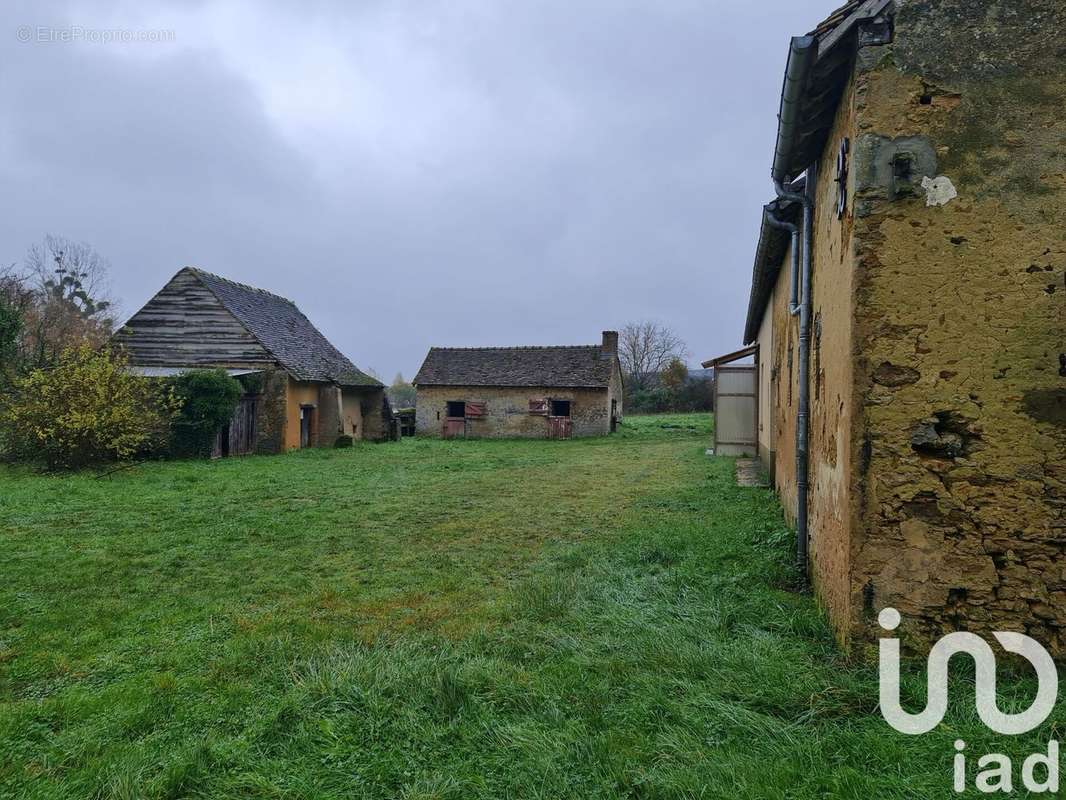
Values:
[(583, 366), (284, 330)]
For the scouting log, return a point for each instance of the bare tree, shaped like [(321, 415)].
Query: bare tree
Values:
[(71, 299), (645, 349), (71, 273)]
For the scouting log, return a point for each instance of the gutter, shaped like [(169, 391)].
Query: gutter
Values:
[(794, 231), (802, 54)]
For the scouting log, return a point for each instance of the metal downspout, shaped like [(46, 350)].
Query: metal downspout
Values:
[(774, 222), (802, 54), (803, 409)]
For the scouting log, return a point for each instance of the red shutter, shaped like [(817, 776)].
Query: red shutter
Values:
[(539, 407), (475, 408)]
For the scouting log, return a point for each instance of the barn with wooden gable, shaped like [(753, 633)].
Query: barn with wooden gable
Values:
[(530, 392), (299, 390)]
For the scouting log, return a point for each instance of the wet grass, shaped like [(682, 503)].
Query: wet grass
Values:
[(597, 618)]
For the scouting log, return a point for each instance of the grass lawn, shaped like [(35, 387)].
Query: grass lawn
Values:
[(483, 619)]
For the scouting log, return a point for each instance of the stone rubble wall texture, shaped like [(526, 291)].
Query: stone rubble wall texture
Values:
[(301, 393), (960, 321), (833, 408), (330, 416), (616, 392), (352, 413), (938, 365), (372, 408), (333, 408), (767, 376), (270, 412), (507, 410)]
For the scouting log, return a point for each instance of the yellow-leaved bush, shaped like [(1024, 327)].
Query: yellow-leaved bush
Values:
[(88, 408)]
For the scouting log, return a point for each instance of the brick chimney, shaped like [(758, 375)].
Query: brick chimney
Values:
[(610, 342)]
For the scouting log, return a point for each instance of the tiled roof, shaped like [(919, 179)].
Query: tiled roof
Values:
[(283, 330), (583, 366), (837, 39), (769, 257), (836, 17)]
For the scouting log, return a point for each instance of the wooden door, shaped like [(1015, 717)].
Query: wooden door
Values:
[(237, 437), (306, 425), (559, 427), (220, 448), (242, 428), (454, 427), (559, 412)]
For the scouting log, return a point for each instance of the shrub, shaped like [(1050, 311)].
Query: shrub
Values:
[(695, 395), (650, 401), (252, 383), (343, 441), (86, 409), (690, 395), (208, 398), (10, 328)]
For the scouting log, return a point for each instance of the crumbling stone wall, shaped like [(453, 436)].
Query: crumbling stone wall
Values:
[(616, 394), (782, 351), (356, 412), (372, 408), (270, 412), (767, 380), (330, 416), (507, 410), (352, 413), (300, 393), (832, 398), (960, 322), (938, 364)]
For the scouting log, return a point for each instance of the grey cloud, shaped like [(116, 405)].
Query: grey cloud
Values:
[(470, 173)]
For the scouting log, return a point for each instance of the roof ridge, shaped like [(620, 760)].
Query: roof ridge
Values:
[(240, 285), (585, 365)]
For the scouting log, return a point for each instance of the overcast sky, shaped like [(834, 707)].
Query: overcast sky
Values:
[(459, 172)]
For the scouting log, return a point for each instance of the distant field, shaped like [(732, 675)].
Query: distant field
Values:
[(473, 619)]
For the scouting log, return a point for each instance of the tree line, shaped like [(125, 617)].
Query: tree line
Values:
[(656, 376)]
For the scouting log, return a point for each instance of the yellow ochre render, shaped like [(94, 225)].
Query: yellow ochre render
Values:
[(938, 389)]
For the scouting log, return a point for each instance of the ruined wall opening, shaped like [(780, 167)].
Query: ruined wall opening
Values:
[(946, 434)]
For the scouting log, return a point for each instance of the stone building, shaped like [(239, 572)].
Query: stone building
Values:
[(531, 392), (914, 405), (299, 390)]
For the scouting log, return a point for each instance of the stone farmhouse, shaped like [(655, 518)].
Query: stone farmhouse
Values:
[(908, 308), (299, 390), (531, 392)]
